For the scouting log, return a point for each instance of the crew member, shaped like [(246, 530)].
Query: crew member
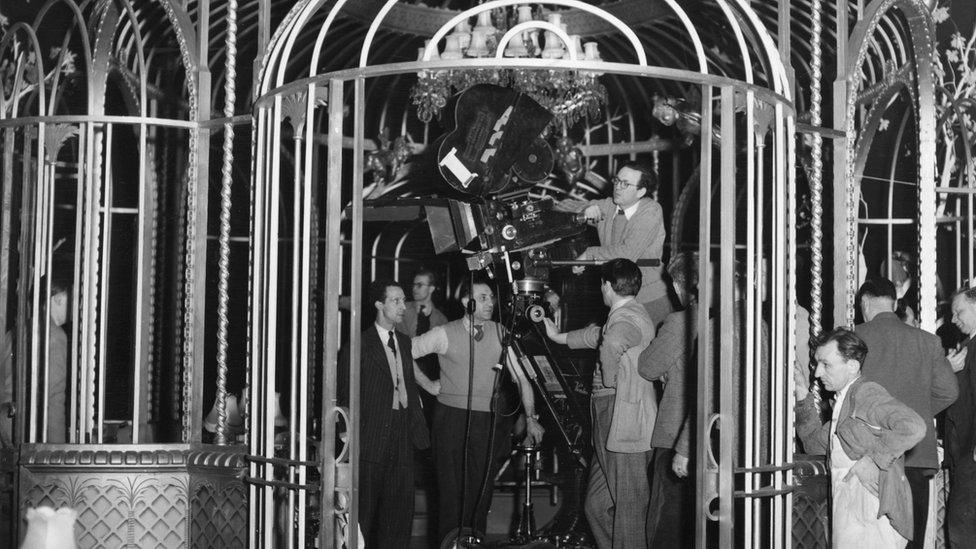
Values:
[(909, 363), (623, 407), (960, 441), (631, 225), (669, 359), (391, 423), (866, 439), (467, 450), (421, 315)]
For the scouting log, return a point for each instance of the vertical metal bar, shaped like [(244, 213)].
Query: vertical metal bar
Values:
[(226, 183), (728, 424), (297, 300), (308, 257), (704, 396), (90, 314), (750, 288), (331, 336), (256, 319), (356, 283), (140, 355), (789, 448), (780, 305), (841, 255), (106, 247), (764, 263), (6, 327), (36, 200), (45, 178), (270, 396)]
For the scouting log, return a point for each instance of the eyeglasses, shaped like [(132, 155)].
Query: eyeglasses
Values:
[(420, 284), (620, 183)]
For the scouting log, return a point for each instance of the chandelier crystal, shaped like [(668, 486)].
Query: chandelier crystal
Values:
[(568, 94)]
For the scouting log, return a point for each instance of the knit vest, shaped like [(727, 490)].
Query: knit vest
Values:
[(455, 366)]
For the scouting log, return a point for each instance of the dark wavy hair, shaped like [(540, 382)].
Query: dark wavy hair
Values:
[(377, 289), (849, 345), (623, 275), (648, 179)]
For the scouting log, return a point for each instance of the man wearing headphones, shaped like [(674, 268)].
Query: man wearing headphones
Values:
[(469, 351), (631, 225)]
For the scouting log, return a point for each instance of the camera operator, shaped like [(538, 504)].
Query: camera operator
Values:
[(468, 351), (631, 225), (623, 407)]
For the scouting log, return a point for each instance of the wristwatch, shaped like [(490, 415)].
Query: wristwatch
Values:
[(533, 416)]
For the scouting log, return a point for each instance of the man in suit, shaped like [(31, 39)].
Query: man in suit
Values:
[(669, 359), (911, 365), (960, 434), (631, 226), (623, 407), (865, 441), (391, 423)]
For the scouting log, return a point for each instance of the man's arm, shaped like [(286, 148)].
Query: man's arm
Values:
[(434, 341), (584, 338), (814, 434), (945, 388), (901, 428), (618, 337), (668, 348), (643, 229), (533, 428)]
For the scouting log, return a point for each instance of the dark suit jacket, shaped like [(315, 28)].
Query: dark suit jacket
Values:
[(376, 390), (911, 365), (961, 416)]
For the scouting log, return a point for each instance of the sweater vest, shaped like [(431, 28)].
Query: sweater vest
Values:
[(455, 365)]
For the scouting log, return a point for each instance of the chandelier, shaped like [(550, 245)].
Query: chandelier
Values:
[(568, 94)]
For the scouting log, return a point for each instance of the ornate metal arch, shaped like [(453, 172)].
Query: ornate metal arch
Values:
[(921, 35)]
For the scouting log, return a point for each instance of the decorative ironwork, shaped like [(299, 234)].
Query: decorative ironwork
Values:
[(816, 184), (192, 497), (223, 239)]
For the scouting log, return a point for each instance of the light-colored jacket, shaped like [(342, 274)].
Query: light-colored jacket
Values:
[(627, 332)]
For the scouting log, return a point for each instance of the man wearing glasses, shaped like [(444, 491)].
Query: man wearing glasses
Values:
[(631, 226), (421, 314)]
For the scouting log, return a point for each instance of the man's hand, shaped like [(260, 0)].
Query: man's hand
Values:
[(680, 465), (957, 359), (801, 378), (433, 387), (867, 474), (533, 431), (551, 329), (592, 213), (578, 269)]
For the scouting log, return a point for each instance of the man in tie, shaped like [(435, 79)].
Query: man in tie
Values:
[(631, 226), (420, 316), (466, 448), (391, 423)]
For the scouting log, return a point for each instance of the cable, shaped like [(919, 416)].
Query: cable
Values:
[(467, 420), (504, 339)]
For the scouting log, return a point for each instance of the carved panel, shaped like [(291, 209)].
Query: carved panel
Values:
[(138, 496)]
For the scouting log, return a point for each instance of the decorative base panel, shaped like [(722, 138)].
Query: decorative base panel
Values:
[(147, 496)]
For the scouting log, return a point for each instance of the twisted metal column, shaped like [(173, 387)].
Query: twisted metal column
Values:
[(223, 239), (816, 182)]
